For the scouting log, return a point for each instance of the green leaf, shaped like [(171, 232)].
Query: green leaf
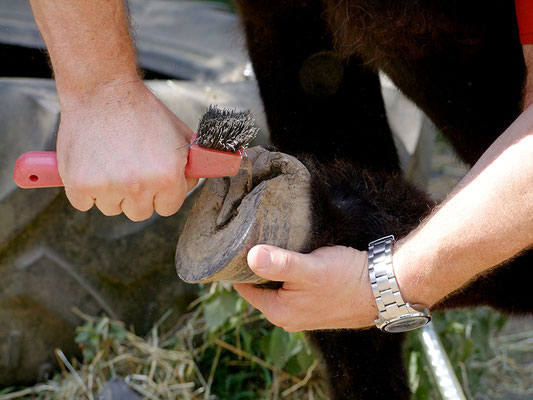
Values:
[(246, 339), (219, 310), (264, 345), (293, 367), (117, 332), (296, 344), (279, 347), (305, 358)]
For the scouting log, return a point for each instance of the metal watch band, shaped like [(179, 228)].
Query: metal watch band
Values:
[(384, 286), (394, 314)]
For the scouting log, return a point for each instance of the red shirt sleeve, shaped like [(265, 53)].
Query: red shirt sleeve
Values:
[(524, 15)]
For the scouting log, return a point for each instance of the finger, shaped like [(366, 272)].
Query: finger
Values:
[(166, 204), (169, 201), (139, 207), (79, 200), (109, 204), (265, 300), (191, 184), (277, 264)]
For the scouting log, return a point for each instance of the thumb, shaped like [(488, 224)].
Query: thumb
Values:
[(276, 264)]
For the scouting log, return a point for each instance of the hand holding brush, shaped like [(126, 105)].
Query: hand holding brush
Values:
[(216, 151)]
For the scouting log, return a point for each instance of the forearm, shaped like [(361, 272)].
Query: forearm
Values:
[(88, 42), (486, 220)]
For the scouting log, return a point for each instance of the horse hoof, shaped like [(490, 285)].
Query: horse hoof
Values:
[(268, 202)]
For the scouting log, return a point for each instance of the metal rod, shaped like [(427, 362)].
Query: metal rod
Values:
[(441, 368)]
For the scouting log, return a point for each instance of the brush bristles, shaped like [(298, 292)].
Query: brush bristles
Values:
[(226, 130)]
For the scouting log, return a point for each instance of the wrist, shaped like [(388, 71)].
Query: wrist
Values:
[(367, 310), (412, 274), (71, 93), (106, 95), (396, 312)]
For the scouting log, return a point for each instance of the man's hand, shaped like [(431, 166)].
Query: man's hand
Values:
[(326, 289), (120, 148)]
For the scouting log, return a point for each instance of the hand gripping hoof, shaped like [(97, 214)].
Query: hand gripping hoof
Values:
[(268, 202)]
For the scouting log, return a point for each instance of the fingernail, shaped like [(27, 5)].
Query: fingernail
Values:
[(263, 258)]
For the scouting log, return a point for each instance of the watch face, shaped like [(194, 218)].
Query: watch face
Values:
[(406, 324)]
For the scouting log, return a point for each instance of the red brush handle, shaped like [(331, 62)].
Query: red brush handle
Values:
[(38, 169)]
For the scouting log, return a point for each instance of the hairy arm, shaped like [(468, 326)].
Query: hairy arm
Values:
[(117, 144), (486, 220), (89, 44)]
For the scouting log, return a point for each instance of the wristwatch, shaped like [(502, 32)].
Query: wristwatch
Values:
[(395, 315)]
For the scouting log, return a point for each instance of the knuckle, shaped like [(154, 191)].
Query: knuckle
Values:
[(286, 263), (131, 180), (283, 297), (87, 185), (167, 179), (132, 185), (80, 185)]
